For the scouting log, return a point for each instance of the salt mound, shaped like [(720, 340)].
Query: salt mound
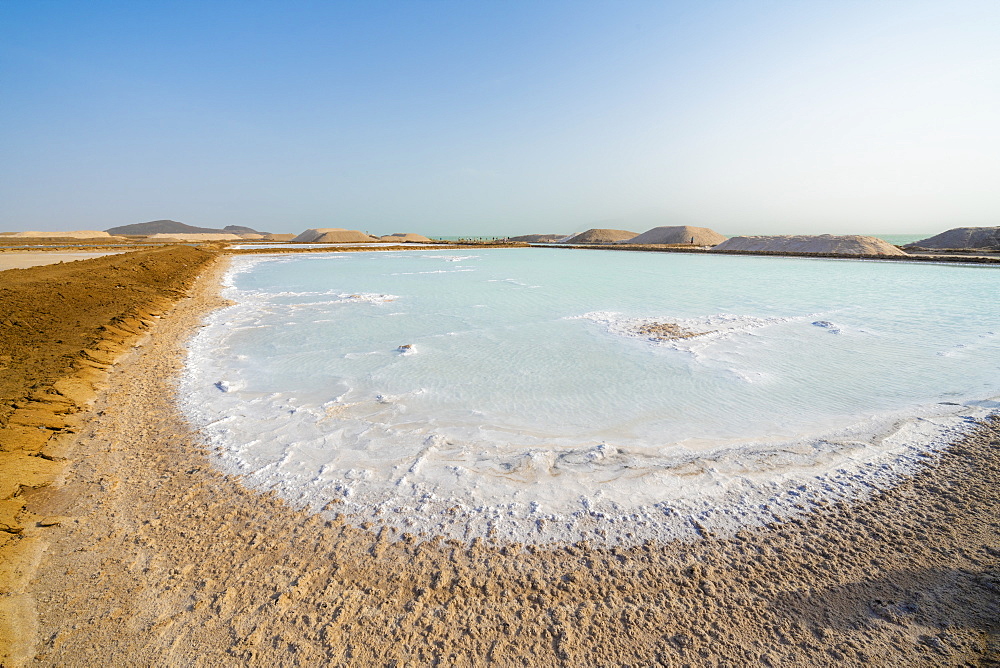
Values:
[(601, 236), (194, 237), (279, 237), (74, 234), (539, 238), (962, 237), (679, 234), (402, 237), (332, 235), (847, 244)]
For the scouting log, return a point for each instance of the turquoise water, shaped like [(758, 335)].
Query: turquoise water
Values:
[(516, 384), (903, 239)]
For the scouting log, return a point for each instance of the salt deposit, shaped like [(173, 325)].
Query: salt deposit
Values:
[(987, 238), (546, 395), (849, 244), (679, 234)]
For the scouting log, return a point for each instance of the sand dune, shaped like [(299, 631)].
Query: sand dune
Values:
[(679, 234), (962, 237), (850, 244), (601, 236)]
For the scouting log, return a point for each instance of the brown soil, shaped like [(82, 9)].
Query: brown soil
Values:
[(61, 327), (155, 558)]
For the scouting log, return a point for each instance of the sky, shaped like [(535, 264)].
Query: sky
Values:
[(501, 117)]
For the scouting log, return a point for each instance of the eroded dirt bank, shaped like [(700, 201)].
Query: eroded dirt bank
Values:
[(61, 327), (160, 560)]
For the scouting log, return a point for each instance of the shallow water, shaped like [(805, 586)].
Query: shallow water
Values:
[(529, 407)]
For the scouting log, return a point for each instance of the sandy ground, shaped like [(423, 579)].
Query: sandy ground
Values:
[(25, 259), (160, 560)]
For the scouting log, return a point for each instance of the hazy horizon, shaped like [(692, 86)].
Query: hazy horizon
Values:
[(449, 118)]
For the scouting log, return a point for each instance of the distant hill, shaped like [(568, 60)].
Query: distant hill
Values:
[(173, 227), (241, 229), (962, 237)]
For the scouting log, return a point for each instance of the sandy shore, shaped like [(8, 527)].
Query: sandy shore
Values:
[(158, 559)]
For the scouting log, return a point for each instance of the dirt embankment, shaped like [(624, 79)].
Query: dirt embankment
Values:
[(61, 328)]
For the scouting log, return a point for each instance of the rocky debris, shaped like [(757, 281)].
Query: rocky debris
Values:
[(666, 331)]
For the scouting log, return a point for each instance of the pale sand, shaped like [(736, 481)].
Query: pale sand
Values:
[(25, 259), (164, 561), (73, 234)]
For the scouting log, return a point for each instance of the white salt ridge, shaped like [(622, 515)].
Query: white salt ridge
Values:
[(525, 422)]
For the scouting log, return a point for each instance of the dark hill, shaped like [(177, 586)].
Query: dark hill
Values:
[(161, 227), (241, 229)]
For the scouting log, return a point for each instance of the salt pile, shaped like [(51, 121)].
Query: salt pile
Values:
[(600, 236), (848, 244), (332, 235), (679, 234)]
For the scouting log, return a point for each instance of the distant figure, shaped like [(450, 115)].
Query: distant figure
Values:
[(692, 241)]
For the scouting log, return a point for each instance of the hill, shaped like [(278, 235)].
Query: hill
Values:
[(962, 237), (173, 227)]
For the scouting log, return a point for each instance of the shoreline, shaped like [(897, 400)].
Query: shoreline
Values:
[(957, 257), (159, 558)]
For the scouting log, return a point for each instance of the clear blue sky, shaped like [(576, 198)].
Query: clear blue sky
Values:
[(501, 117)]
